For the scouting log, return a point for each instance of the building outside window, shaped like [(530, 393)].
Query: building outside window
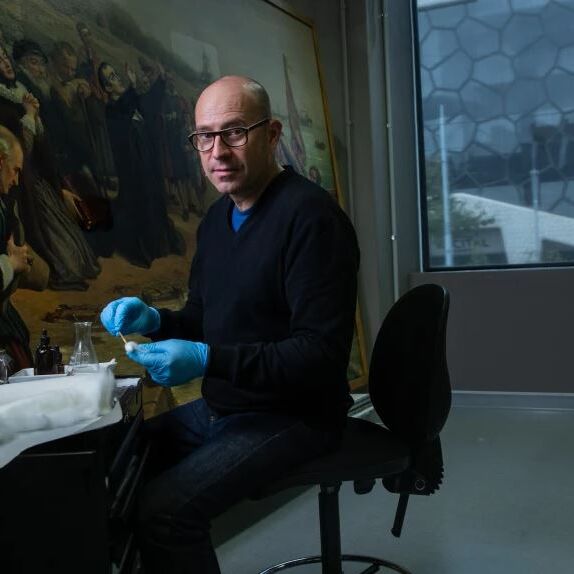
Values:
[(497, 103)]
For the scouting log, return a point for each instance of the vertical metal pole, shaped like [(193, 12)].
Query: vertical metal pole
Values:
[(535, 185), (445, 195)]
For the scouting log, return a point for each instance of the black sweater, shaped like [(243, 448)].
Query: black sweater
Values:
[(275, 301)]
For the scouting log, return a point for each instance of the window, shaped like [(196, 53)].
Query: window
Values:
[(497, 103)]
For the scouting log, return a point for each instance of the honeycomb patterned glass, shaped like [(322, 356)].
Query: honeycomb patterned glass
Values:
[(497, 91)]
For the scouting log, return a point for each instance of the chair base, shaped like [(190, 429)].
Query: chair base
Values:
[(375, 564)]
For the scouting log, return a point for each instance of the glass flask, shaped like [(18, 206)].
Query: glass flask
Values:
[(83, 358), (6, 364)]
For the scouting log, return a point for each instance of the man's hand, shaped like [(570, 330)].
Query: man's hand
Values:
[(172, 362), (129, 315), (19, 256), (30, 104)]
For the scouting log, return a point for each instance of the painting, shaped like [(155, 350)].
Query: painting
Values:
[(111, 192)]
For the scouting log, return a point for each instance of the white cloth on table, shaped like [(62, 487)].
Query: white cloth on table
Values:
[(53, 403), (26, 439)]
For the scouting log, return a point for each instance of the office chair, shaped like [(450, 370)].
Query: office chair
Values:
[(410, 390)]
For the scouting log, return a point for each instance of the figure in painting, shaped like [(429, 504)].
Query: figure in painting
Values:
[(49, 226), (17, 261), (175, 162), (32, 72), (104, 164), (144, 230), (80, 134)]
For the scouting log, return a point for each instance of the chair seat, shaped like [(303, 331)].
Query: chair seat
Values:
[(368, 451)]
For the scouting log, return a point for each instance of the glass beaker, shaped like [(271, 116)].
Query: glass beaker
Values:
[(84, 358)]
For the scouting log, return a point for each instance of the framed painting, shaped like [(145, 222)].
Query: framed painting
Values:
[(111, 192)]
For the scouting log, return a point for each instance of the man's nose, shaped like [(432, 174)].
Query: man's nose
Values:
[(219, 147)]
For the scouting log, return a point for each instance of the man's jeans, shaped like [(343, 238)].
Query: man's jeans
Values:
[(203, 464)]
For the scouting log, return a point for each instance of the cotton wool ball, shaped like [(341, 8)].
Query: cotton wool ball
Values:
[(131, 346)]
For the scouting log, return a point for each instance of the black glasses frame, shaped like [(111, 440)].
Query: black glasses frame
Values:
[(244, 130)]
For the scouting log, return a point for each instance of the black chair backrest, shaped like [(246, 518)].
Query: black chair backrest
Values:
[(409, 383)]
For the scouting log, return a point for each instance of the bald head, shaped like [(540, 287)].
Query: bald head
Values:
[(8, 141), (254, 94), (240, 170), (11, 159)]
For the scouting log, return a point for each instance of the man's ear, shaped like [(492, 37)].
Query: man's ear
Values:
[(275, 129)]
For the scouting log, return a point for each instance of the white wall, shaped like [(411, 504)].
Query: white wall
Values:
[(509, 330)]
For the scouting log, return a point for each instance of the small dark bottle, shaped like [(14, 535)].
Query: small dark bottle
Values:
[(44, 359)]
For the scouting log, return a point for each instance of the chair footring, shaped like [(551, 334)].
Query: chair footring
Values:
[(375, 564)]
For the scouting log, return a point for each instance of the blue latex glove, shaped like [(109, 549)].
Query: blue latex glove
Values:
[(129, 315), (172, 362)]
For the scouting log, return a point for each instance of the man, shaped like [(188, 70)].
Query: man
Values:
[(15, 94), (268, 323), (32, 72), (16, 258)]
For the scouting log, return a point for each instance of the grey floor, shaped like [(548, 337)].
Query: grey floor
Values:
[(506, 506)]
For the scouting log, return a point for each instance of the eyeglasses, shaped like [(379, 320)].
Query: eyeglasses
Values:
[(231, 137)]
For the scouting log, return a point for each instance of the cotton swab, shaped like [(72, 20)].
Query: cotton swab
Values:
[(128, 345)]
